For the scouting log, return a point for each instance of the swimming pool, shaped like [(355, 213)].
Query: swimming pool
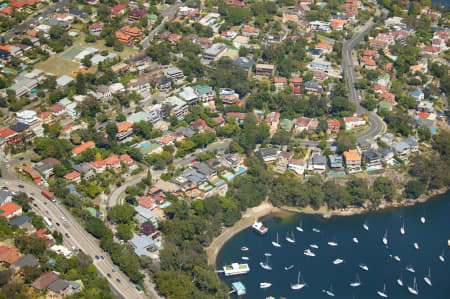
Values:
[(145, 144), (240, 170), (229, 176)]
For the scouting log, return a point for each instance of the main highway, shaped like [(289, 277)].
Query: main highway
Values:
[(376, 125), (75, 235)]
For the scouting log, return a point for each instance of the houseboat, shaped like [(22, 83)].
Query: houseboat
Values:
[(236, 269), (259, 228)]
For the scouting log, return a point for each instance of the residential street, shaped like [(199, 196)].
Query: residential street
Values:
[(376, 125)]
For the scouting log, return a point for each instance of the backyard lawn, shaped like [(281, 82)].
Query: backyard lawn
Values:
[(100, 45), (57, 66)]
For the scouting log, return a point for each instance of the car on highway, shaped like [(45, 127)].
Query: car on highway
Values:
[(46, 211), (113, 270), (63, 218), (21, 186), (57, 223), (118, 280), (97, 257), (35, 205), (109, 275), (102, 257), (67, 235), (20, 158)]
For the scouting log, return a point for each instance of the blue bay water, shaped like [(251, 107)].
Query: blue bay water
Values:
[(319, 272)]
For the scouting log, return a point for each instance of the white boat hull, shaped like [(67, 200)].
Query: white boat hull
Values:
[(355, 284), (275, 244), (290, 240), (333, 244), (366, 227), (422, 219), (381, 294), (355, 240), (416, 246), (264, 285), (299, 229), (314, 246), (442, 258), (338, 261), (428, 281), (400, 282), (364, 267), (412, 291), (385, 242), (298, 286)]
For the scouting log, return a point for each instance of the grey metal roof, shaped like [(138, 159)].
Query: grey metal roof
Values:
[(319, 160), (400, 146), (19, 127), (22, 219), (204, 169), (26, 260), (58, 285), (269, 151), (82, 168), (188, 132)]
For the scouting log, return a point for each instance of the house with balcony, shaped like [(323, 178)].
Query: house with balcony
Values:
[(178, 107), (188, 95), (205, 93), (352, 160)]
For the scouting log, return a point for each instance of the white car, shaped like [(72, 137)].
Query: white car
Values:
[(63, 218)]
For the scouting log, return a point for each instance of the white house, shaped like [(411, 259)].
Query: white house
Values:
[(353, 122)]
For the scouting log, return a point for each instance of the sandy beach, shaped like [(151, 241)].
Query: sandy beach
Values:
[(249, 216), (266, 208)]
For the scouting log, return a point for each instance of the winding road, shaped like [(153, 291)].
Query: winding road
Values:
[(376, 124)]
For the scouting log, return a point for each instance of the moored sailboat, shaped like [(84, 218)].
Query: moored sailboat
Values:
[(383, 293), (276, 243), (266, 265), (366, 225), (410, 269), (298, 285), (364, 267), (329, 292), (308, 252), (355, 240), (264, 285), (402, 229), (290, 237), (287, 268), (400, 280), (414, 290), (299, 227), (428, 277), (333, 243), (338, 261), (442, 257), (356, 283), (385, 240)]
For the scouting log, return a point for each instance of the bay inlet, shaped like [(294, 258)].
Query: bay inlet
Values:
[(386, 263)]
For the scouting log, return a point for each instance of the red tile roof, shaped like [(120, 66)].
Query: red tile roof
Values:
[(6, 132), (72, 175), (9, 208), (44, 280), (9, 255), (57, 108), (82, 147), (146, 202)]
